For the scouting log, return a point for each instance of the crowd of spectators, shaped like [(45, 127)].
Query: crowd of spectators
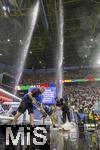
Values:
[(46, 77), (37, 78), (83, 97)]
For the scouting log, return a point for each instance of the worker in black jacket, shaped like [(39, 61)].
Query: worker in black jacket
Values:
[(65, 110)]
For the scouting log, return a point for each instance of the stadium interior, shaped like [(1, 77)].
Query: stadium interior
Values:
[(32, 35)]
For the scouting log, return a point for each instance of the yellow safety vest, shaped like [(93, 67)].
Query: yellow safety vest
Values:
[(90, 116)]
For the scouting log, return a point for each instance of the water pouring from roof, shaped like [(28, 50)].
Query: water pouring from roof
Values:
[(60, 49), (27, 40)]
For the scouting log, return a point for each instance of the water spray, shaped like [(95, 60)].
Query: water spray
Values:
[(60, 49), (25, 47)]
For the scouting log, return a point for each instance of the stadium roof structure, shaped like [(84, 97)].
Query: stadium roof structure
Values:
[(81, 32)]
